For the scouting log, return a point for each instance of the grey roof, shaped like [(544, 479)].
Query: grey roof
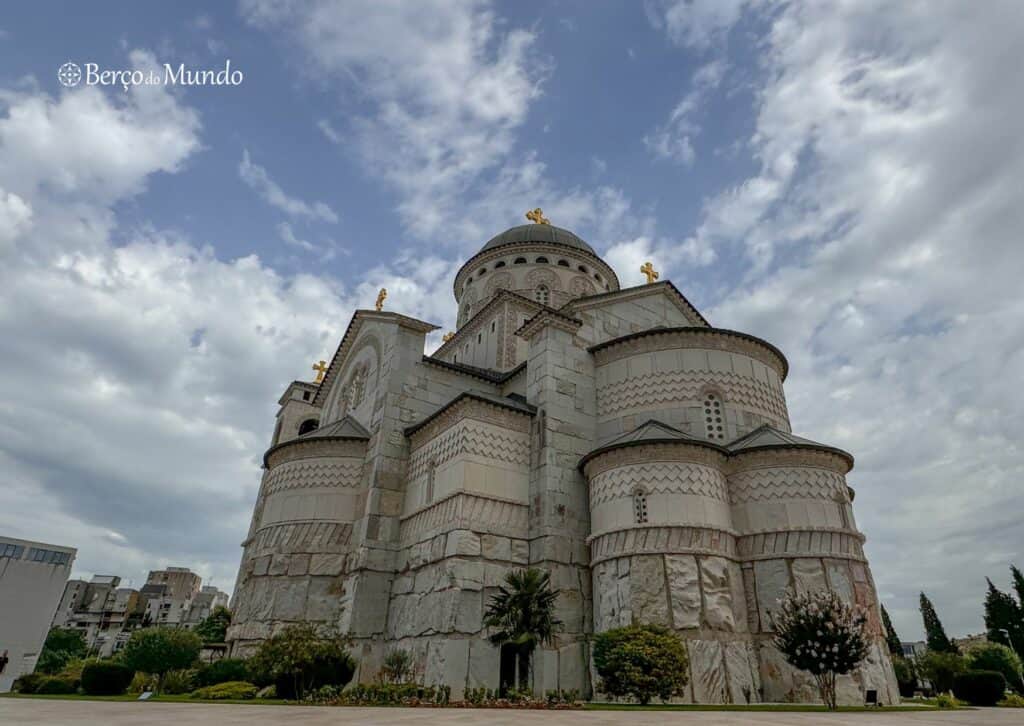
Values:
[(767, 436), (512, 404), (651, 432), (344, 428), (538, 233)]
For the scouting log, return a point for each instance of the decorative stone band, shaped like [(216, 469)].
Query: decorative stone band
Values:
[(787, 482), (507, 414), (646, 539), (466, 510), (820, 456), (611, 457), (807, 542), (473, 436), (649, 341), (318, 472), (296, 449), (295, 537)]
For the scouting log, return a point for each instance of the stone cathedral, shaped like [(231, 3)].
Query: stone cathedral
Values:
[(610, 436)]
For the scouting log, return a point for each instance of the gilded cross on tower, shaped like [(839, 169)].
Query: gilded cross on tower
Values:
[(447, 336), (381, 296), (648, 269), (537, 217), (320, 369)]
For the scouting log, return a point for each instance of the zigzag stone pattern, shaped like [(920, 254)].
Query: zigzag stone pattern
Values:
[(466, 511), (686, 388), (474, 438), (320, 472), (658, 478), (650, 540), (798, 482), (296, 537)]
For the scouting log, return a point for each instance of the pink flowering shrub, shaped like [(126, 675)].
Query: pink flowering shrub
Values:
[(819, 633)]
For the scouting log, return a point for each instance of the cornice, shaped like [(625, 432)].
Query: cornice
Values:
[(511, 248), (629, 293)]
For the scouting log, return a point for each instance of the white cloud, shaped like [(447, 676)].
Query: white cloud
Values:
[(879, 243), (257, 177), (15, 218), (696, 23), (673, 140), (447, 86)]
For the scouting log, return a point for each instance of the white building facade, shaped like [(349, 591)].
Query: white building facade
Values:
[(32, 578), (612, 437)]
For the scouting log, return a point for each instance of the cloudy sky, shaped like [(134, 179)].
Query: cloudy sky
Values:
[(843, 179)]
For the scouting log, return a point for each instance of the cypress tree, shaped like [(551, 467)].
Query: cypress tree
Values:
[(1018, 585), (891, 639), (1004, 618), (935, 634)]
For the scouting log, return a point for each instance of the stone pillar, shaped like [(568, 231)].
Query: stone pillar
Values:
[(561, 385)]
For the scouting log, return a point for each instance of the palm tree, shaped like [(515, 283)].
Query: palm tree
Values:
[(523, 612)]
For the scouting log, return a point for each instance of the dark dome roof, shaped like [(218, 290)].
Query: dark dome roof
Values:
[(538, 233)]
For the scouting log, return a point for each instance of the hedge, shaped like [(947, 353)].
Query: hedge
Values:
[(106, 678), (980, 688)]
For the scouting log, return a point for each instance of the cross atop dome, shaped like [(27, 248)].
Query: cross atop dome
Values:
[(537, 217)]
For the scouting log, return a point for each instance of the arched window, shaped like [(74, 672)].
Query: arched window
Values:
[(597, 277), (640, 506), (520, 261), (499, 263), (277, 433), (714, 419), (563, 263), (308, 425), (541, 260), (583, 269), (542, 294), (482, 271)]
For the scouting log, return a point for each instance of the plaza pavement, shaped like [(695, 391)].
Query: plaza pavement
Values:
[(17, 711)]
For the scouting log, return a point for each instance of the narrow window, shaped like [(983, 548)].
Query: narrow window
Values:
[(713, 416), (541, 260), (492, 326), (583, 269), (640, 507), (428, 490), (520, 261), (306, 426), (482, 271), (499, 263), (541, 294), (479, 338), (563, 263)]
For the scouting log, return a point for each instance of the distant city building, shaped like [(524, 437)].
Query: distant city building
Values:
[(914, 648), (32, 576), (969, 641), (106, 613)]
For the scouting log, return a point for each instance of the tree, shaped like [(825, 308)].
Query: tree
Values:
[(935, 634), (215, 627), (303, 657), (524, 615), (996, 657), (940, 669), (1004, 616), (159, 650), (397, 667), (820, 633), (60, 646), (1018, 584), (906, 675), (891, 639), (641, 661)]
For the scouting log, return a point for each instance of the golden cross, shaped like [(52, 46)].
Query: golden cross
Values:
[(537, 217), (648, 269), (320, 369), (447, 336), (380, 298)]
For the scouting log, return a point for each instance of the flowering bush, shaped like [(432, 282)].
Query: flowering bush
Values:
[(819, 633)]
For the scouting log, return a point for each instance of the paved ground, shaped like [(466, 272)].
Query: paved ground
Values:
[(77, 713)]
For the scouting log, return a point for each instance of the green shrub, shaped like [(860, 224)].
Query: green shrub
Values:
[(222, 671), (27, 683), (945, 700), (385, 694), (996, 657), (142, 682), (641, 661), (159, 650), (980, 688), (302, 658), (61, 645), (940, 669), (906, 676), (230, 690), (1012, 701), (179, 681), (267, 692), (106, 678), (55, 685)]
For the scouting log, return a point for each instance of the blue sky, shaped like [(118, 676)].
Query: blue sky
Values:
[(839, 179)]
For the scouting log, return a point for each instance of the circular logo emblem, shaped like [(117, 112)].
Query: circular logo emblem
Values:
[(69, 74)]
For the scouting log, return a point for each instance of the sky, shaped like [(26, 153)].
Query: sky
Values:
[(842, 179)]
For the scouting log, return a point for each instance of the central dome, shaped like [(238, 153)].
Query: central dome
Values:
[(538, 233)]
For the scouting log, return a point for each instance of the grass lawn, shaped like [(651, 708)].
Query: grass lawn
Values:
[(183, 698), (782, 707)]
